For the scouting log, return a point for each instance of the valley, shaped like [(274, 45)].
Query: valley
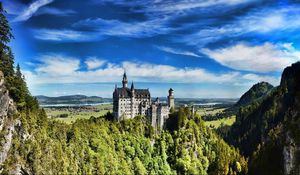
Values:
[(70, 112)]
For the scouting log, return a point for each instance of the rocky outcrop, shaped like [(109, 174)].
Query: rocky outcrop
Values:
[(7, 121), (290, 151)]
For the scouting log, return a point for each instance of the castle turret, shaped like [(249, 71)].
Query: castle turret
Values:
[(171, 101), (132, 107), (124, 81), (132, 87)]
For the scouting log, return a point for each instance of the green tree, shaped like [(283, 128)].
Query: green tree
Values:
[(139, 167)]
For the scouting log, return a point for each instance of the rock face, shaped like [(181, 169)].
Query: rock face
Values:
[(7, 122), (290, 151)]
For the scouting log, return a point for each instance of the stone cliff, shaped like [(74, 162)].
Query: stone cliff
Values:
[(8, 121)]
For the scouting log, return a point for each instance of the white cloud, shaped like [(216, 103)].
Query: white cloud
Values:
[(101, 28), (166, 73), (57, 65), (176, 6), (33, 8), (287, 18), (264, 21), (167, 6), (261, 58), (57, 69), (254, 78), (93, 63), (119, 28), (56, 11), (60, 69), (177, 52), (65, 35)]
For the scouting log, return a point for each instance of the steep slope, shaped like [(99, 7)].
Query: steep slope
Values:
[(256, 92), (7, 121), (269, 129)]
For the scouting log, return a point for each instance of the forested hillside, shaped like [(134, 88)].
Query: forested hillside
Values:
[(33, 144), (256, 92), (268, 130)]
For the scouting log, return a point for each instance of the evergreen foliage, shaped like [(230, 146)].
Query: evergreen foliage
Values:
[(97, 145), (256, 92)]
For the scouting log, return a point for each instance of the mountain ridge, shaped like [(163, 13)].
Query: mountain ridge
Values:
[(70, 99)]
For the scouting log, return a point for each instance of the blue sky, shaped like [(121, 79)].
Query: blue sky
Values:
[(213, 48)]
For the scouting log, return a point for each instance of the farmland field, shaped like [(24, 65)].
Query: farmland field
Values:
[(210, 112), (71, 114), (217, 123)]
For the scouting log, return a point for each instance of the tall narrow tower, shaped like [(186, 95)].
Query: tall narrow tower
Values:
[(124, 81), (171, 102), (132, 107)]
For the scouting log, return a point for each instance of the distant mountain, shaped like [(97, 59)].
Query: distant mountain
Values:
[(71, 99), (268, 130), (256, 92)]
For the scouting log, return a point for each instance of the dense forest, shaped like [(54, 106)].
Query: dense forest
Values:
[(100, 145)]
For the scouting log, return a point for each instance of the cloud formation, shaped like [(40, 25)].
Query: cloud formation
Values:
[(171, 6), (177, 51), (60, 69), (260, 58), (32, 8), (65, 35), (134, 29), (269, 22), (94, 62), (57, 65), (56, 11)]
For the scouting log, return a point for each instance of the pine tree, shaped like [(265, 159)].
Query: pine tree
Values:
[(6, 56), (7, 63), (5, 30)]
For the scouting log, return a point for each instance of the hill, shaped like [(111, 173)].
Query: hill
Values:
[(71, 99), (256, 92), (269, 129)]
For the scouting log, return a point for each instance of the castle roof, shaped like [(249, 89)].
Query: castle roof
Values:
[(126, 92)]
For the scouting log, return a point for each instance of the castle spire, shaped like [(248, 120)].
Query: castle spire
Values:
[(124, 81), (132, 86)]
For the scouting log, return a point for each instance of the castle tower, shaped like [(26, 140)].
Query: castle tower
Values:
[(171, 101), (133, 111), (124, 81), (132, 88), (193, 110)]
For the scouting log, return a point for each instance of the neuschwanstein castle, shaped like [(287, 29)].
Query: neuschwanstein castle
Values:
[(131, 102)]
